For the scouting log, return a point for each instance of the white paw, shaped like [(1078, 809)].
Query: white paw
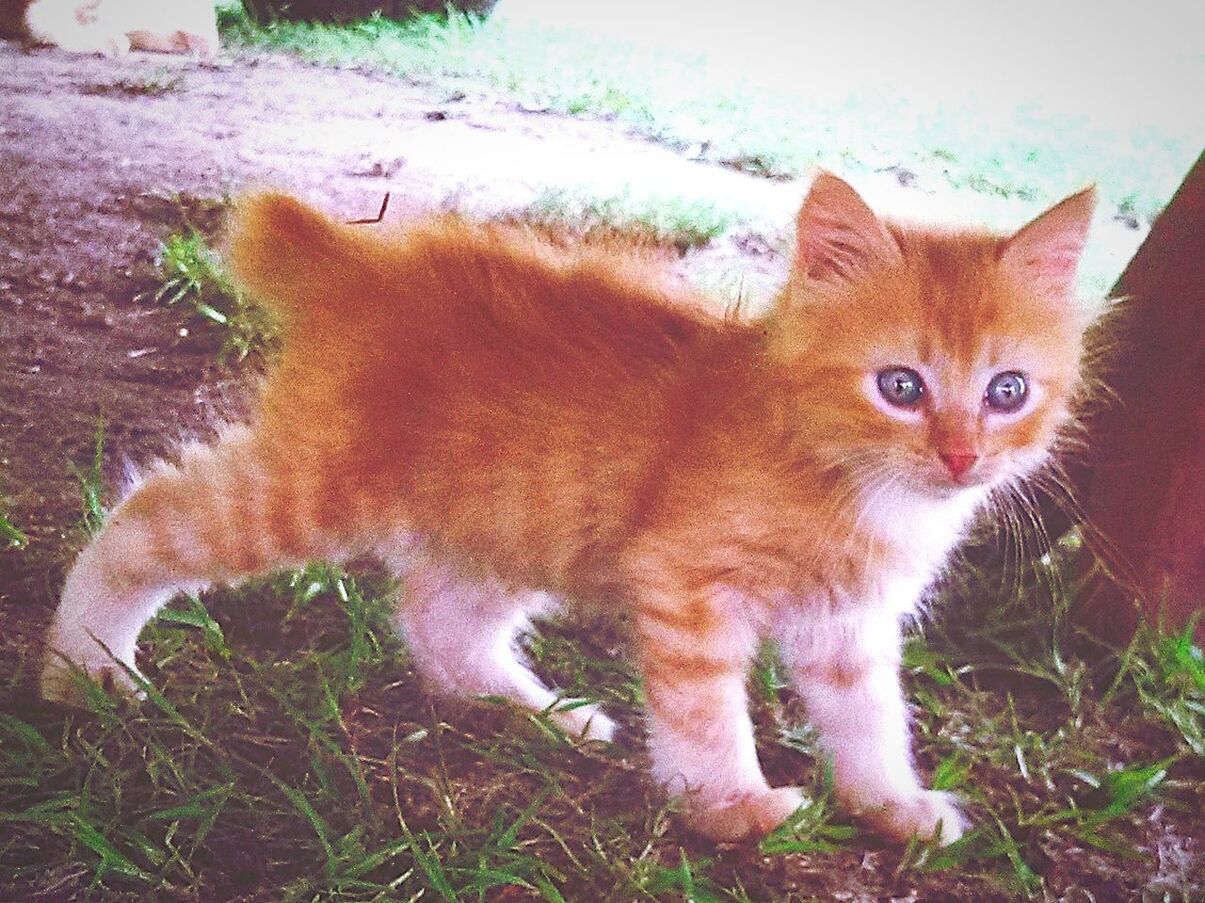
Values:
[(68, 654), (585, 721), (929, 815), (753, 814)]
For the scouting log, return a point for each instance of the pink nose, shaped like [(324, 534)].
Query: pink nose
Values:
[(959, 462)]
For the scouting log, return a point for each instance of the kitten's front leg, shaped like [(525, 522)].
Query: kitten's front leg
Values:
[(846, 668), (695, 657)]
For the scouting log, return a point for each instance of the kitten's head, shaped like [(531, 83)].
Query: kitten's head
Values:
[(934, 360)]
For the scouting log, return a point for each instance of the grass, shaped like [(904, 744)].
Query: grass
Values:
[(286, 752), (158, 83), (671, 221), (191, 274), (92, 486), (10, 536)]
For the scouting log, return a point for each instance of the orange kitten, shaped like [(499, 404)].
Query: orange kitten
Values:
[(114, 27), (498, 419)]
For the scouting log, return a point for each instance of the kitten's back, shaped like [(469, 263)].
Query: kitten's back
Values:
[(548, 375)]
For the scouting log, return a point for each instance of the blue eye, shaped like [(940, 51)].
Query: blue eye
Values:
[(1006, 391), (901, 386)]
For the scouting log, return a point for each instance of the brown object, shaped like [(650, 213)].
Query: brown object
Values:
[(12, 18), (1143, 490), (373, 219)]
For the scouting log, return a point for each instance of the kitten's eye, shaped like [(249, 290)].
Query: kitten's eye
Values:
[(1006, 392), (901, 386)]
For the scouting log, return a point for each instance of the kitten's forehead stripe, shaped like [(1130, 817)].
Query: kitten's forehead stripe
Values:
[(925, 347), (953, 272)]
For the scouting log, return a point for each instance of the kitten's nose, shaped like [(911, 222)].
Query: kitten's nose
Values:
[(959, 461)]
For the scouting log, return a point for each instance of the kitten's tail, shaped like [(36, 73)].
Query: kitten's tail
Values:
[(296, 260)]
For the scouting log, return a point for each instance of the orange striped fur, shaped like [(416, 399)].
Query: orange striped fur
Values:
[(503, 421)]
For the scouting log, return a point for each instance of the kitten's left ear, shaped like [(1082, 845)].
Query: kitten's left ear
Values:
[(1046, 252)]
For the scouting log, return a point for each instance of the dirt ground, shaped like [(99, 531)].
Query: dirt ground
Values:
[(93, 172)]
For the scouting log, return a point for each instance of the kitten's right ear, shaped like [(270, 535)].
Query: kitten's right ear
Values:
[(837, 236)]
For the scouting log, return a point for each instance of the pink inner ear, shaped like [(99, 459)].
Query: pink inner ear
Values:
[(837, 234), (828, 246), (1053, 266), (1047, 251)]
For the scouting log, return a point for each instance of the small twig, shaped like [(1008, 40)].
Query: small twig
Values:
[(380, 214)]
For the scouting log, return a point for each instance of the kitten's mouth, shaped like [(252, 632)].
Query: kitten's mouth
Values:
[(965, 480), (940, 482)]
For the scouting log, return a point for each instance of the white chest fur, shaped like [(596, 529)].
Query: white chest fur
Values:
[(926, 530)]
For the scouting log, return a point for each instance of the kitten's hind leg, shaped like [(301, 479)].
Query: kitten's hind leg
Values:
[(463, 633), (226, 512)]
